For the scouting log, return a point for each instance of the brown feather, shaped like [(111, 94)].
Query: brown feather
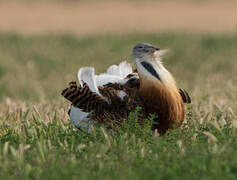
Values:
[(103, 112), (83, 98), (165, 103)]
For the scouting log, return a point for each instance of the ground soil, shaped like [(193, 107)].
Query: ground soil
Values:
[(119, 17)]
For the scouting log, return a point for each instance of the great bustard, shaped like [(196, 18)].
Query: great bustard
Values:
[(109, 97)]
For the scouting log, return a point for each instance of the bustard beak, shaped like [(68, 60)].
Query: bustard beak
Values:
[(153, 49)]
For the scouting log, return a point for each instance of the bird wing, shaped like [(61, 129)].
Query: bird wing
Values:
[(83, 97), (86, 75), (114, 74), (104, 97), (104, 79), (88, 107), (121, 70)]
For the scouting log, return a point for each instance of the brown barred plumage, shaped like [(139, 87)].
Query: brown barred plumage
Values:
[(109, 111), (150, 86), (83, 98), (114, 109)]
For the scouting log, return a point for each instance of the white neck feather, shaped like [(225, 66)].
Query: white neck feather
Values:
[(165, 77)]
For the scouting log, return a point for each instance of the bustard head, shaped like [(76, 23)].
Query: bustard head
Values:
[(144, 51), (148, 62)]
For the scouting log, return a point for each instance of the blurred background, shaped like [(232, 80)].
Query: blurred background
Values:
[(82, 17), (44, 43)]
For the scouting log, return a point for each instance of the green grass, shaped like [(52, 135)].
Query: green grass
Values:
[(38, 142)]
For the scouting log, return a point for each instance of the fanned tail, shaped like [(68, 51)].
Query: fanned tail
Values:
[(103, 98), (82, 97)]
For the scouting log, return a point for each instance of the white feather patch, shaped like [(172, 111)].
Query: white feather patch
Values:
[(122, 94), (79, 118), (103, 79), (114, 74), (122, 70), (113, 70), (87, 75), (125, 69)]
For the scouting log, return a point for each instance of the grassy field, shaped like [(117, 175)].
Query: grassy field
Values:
[(38, 142)]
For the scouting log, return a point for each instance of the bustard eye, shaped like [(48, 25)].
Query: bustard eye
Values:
[(140, 47)]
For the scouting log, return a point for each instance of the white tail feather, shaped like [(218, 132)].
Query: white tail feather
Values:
[(113, 70), (79, 118), (122, 70), (103, 79), (87, 75), (125, 69), (115, 74)]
